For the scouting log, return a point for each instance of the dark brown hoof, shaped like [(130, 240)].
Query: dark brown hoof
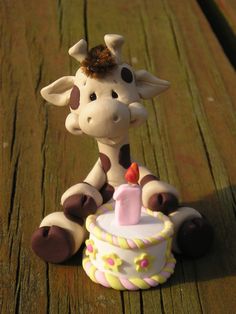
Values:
[(163, 202), (195, 237), (79, 206), (53, 244)]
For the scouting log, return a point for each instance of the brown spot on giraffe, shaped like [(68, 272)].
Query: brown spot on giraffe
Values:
[(148, 178), (74, 101), (106, 163), (107, 192), (124, 156)]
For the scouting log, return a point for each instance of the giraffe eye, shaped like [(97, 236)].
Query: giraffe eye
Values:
[(93, 97), (114, 94)]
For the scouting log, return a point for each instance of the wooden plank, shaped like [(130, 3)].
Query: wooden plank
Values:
[(189, 140), (18, 193), (195, 56), (217, 125)]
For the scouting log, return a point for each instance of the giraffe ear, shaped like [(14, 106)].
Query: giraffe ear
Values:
[(149, 85), (58, 92)]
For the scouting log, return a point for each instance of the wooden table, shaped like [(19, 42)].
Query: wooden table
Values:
[(189, 140)]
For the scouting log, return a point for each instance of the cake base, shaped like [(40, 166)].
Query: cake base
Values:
[(123, 283), (120, 268)]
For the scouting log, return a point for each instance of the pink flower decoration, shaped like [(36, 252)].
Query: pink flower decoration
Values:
[(91, 251), (112, 262)]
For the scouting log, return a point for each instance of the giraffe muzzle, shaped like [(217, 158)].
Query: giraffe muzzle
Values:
[(108, 118)]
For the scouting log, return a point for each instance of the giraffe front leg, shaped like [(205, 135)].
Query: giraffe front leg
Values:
[(60, 234), (57, 238), (84, 198), (157, 195), (80, 201), (193, 233)]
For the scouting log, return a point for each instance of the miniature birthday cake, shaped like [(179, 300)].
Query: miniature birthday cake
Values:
[(125, 254)]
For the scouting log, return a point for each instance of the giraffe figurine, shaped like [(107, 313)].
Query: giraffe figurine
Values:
[(104, 99)]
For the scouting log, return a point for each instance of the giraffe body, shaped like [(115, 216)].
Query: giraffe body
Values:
[(104, 98)]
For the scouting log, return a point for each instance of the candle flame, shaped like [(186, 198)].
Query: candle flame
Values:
[(132, 174)]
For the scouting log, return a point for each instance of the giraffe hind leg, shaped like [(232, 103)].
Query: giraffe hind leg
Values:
[(57, 238), (53, 244)]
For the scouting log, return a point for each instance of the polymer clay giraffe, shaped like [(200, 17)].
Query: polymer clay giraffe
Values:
[(104, 100)]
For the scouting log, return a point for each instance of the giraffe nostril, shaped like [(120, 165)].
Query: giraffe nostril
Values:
[(116, 118), (89, 119)]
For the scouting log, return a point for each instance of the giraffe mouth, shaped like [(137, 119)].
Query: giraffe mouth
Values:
[(110, 140)]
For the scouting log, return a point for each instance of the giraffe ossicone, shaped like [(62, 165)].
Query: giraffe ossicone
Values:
[(104, 97)]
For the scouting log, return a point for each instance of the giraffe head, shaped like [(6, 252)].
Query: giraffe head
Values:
[(104, 95)]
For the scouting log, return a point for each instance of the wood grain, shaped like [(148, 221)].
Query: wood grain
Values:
[(189, 141)]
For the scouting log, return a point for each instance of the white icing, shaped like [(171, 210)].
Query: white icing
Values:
[(148, 226), (127, 269)]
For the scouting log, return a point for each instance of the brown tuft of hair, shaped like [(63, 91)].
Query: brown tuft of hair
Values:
[(99, 62)]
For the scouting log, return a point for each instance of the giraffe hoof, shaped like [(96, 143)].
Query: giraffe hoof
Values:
[(53, 244), (195, 237), (163, 202), (79, 206)]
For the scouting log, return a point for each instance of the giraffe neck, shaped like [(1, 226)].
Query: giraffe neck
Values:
[(115, 160)]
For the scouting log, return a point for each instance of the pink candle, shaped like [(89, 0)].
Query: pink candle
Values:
[(128, 199)]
